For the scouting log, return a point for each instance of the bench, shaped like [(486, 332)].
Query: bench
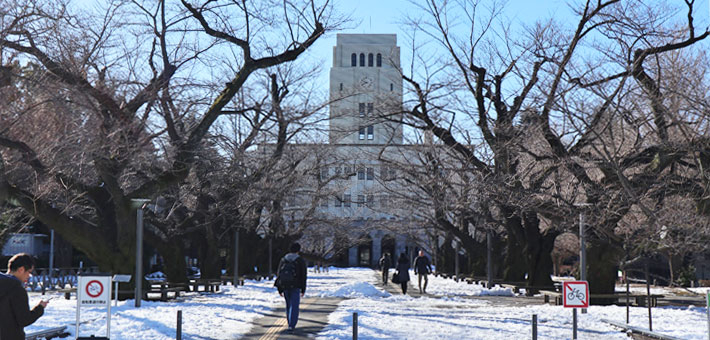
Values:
[(529, 290), (67, 292), (209, 285), (639, 300), (164, 289), (229, 279)]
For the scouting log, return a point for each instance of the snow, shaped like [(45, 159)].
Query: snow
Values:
[(458, 314)]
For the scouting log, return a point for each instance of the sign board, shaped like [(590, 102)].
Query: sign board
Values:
[(575, 294), (94, 291)]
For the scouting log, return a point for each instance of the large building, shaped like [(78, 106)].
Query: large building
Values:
[(355, 180)]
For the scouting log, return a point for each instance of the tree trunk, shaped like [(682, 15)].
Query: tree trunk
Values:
[(602, 263), (539, 251), (515, 264)]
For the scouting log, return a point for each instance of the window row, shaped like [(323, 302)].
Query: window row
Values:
[(346, 201), (370, 129), (362, 173), (370, 108), (340, 87), (370, 59)]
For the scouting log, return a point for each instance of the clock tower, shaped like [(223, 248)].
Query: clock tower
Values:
[(365, 90)]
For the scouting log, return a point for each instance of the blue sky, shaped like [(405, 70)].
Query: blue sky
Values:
[(386, 16)]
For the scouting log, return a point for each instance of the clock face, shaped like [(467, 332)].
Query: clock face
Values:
[(366, 82)]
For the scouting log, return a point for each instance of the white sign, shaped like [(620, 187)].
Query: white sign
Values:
[(575, 294), (94, 291)]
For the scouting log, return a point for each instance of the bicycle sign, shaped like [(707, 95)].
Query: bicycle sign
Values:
[(575, 294)]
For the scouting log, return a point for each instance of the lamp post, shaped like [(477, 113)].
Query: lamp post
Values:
[(582, 246), (139, 204)]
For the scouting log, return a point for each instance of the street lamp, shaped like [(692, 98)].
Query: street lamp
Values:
[(582, 246), (139, 204)]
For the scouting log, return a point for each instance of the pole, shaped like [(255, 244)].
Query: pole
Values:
[(115, 293), (51, 255), (139, 256), (648, 297), (574, 323), (236, 258), (355, 326), (626, 277), (178, 332), (534, 327), (489, 265), (707, 309), (270, 254), (456, 259), (582, 252)]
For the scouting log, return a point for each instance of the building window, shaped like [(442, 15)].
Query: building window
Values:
[(353, 59), (338, 201), (362, 133), (370, 60), (362, 59), (324, 202), (370, 201), (361, 174), (391, 87), (370, 132), (337, 171), (348, 170), (346, 200), (324, 173), (379, 60), (392, 173), (341, 86), (370, 108), (370, 174), (360, 200), (361, 109)]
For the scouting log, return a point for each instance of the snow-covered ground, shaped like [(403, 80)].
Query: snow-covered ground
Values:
[(459, 315)]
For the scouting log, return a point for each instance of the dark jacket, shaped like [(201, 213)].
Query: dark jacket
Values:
[(385, 262), (301, 272), (421, 265), (403, 269), (15, 313)]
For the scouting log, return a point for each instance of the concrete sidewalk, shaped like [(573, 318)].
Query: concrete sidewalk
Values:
[(312, 318)]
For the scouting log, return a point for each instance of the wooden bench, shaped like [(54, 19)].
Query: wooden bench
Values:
[(529, 290), (67, 292), (229, 279), (208, 285), (639, 300), (165, 289)]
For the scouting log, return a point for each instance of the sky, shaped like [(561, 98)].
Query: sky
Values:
[(387, 16)]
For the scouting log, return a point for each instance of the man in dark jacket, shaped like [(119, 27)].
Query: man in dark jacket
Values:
[(291, 283), (14, 303), (422, 268), (385, 264)]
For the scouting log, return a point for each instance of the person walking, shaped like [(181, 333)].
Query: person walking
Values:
[(385, 264), (14, 302), (291, 283), (403, 271), (422, 268)]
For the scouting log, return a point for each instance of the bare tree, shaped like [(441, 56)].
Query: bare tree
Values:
[(123, 107)]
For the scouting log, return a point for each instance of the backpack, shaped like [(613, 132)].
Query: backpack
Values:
[(287, 274)]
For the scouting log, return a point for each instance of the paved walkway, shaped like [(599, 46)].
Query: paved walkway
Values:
[(413, 290), (312, 318)]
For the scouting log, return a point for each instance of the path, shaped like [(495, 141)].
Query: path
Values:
[(312, 318), (413, 290)]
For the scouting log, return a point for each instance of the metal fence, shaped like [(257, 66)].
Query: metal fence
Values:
[(59, 278)]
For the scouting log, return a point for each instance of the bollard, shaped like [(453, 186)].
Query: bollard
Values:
[(355, 326), (534, 327), (178, 332)]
